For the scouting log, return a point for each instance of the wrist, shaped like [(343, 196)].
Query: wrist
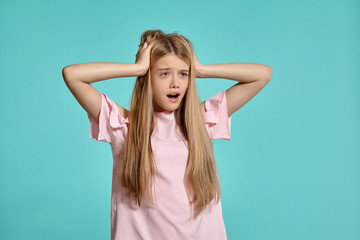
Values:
[(140, 70), (200, 71)]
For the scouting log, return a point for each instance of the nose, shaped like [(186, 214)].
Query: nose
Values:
[(174, 82)]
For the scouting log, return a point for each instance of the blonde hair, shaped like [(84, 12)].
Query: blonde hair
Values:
[(136, 168)]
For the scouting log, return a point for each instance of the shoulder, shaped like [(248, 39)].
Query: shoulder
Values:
[(123, 111), (106, 99), (215, 103)]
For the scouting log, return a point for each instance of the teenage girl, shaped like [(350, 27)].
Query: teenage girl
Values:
[(165, 180)]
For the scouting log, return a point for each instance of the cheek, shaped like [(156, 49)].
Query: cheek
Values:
[(156, 96), (186, 84), (155, 87), (157, 82)]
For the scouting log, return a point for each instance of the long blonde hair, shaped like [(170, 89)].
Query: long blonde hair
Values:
[(136, 168)]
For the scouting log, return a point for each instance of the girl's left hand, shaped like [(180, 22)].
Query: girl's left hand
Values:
[(197, 67)]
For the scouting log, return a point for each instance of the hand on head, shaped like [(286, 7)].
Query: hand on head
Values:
[(143, 56), (197, 67)]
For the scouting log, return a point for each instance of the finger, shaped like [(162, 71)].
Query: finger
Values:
[(149, 45), (152, 44)]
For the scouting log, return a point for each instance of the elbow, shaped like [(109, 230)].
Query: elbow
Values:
[(68, 73), (268, 73)]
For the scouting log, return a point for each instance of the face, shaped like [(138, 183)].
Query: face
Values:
[(169, 81)]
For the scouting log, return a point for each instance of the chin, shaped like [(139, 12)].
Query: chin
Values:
[(168, 108)]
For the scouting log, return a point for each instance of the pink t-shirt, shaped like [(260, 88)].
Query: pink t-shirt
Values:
[(171, 217)]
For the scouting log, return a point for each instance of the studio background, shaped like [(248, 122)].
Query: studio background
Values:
[(291, 170)]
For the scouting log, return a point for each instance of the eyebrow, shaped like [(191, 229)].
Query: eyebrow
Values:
[(184, 70)]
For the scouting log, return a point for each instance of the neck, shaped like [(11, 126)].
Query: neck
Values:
[(165, 115), (165, 126), (164, 111)]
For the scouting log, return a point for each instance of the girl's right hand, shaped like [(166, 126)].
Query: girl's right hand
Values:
[(143, 57)]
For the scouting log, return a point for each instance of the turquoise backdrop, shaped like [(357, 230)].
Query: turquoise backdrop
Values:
[(292, 168)]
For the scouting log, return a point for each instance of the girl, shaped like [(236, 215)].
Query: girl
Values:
[(165, 180)]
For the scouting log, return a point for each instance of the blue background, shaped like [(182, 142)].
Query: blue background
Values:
[(291, 170)]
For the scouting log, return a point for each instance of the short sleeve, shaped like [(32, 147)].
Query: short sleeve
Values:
[(110, 121), (217, 121)]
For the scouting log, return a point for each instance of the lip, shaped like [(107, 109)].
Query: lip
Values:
[(174, 92), (174, 99)]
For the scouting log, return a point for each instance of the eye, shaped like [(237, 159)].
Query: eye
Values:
[(185, 74), (163, 74)]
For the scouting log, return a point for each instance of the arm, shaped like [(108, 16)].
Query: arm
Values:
[(99, 71), (251, 77), (78, 78)]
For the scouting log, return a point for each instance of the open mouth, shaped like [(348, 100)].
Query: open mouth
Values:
[(173, 95)]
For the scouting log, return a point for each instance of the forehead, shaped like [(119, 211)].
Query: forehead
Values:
[(171, 61)]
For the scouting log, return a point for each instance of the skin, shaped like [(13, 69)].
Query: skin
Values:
[(250, 77), (168, 74)]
